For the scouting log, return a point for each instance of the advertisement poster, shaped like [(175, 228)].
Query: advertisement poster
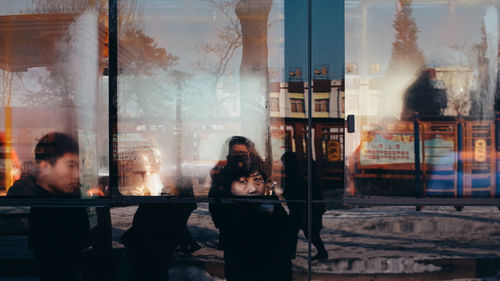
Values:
[(398, 149)]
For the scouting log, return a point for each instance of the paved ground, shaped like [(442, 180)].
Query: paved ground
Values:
[(381, 240), (378, 243)]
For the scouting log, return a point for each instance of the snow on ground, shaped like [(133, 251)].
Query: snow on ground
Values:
[(371, 240), (374, 240)]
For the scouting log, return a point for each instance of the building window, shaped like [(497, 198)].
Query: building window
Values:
[(297, 105), (321, 105), (274, 104)]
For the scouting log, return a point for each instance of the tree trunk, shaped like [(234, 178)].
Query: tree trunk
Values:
[(253, 16)]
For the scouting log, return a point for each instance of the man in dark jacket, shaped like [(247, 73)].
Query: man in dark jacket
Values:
[(57, 235)]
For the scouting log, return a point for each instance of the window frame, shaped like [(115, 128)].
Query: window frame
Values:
[(321, 105), (297, 104)]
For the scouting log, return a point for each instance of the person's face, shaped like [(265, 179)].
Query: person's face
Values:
[(239, 150), (239, 156), (251, 185), (64, 175)]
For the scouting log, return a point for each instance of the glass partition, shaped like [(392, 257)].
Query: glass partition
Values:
[(422, 82), (53, 65), (192, 76), (202, 110)]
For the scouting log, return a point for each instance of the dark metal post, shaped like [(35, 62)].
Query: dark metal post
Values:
[(497, 148), (460, 162), (113, 99), (104, 245), (309, 146), (103, 214), (416, 137)]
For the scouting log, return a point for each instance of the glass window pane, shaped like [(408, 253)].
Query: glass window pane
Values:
[(201, 107), (192, 75), (326, 138), (52, 64), (422, 82)]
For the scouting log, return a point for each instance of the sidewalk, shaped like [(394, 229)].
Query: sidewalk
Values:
[(380, 243), (437, 243)]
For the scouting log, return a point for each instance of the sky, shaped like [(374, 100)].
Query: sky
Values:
[(287, 40), (179, 26), (327, 36), (440, 27)]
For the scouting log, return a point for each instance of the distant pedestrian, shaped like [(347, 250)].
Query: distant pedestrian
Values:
[(158, 229), (184, 188), (295, 190)]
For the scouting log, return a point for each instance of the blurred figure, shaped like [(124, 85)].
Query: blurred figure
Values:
[(184, 188), (254, 236), (140, 172), (157, 231), (57, 235), (8, 176), (295, 189), (151, 241), (238, 151)]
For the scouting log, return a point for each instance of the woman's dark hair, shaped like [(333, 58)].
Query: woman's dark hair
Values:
[(231, 173)]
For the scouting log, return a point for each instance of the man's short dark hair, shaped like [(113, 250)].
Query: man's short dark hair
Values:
[(54, 145)]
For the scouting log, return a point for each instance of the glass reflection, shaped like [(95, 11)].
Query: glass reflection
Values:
[(51, 64), (421, 80), (184, 91), (264, 227)]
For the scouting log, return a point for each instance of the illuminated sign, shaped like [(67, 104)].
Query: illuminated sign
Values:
[(480, 150), (333, 150)]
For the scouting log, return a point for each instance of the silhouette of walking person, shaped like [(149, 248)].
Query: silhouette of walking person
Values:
[(295, 189), (157, 228), (184, 188)]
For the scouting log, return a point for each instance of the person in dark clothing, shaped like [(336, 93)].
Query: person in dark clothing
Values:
[(57, 235), (295, 190), (157, 231), (152, 239), (240, 153), (254, 235), (184, 188)]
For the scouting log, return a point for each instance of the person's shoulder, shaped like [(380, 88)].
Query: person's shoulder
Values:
[(18, 191), (27, 187), (219, 166)]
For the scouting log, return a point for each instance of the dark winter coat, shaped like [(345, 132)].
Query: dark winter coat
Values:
[(156, 228), (52, 230), (256, 241)]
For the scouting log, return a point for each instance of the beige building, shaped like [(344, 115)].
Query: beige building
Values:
[(289, 99)]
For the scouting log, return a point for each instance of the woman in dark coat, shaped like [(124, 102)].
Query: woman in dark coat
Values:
[(255, 235)]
